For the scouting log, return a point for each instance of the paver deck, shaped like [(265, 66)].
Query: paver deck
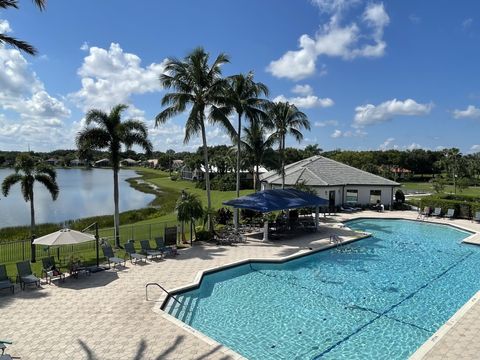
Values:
[(105, 316)]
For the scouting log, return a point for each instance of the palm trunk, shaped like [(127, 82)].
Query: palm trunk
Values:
[(207, 176), (116, 216), (32, 227), (236, 217), (282, 155)]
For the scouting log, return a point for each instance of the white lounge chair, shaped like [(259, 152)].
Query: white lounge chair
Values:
[(423, 214), (437, 212), (450, 213), (477, 217)]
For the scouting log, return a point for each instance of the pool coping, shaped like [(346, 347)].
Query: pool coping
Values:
[(200, 275)]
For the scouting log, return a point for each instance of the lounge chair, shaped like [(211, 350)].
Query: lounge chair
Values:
[(477, 217), (450, 213), (3, 346), (147, 250), (50, 270), (110, 256), (425, 213), (132, 253), (437, 212), (166, 250), (5, 282), (25, 275)]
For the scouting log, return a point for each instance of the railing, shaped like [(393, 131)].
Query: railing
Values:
[(161, 287), (14, 251)]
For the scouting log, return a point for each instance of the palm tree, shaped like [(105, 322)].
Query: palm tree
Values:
[(287, 120), (197, 85), (243, 96), (188, 208), (27, 172), (111, 133), (255, 144), (8, 40)]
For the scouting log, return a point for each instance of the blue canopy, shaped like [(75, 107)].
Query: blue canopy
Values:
[(277, 199)]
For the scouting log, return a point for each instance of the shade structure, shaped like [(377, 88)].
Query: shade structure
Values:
[(64, 237), (277, 199)]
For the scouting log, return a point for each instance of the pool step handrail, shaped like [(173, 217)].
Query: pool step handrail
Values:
[(336, 240), (161, 287)]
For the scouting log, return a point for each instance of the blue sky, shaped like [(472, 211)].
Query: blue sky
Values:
[(369, 74)]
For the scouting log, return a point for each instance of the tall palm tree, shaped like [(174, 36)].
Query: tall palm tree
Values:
[(243, 95), (255, 144), (198, 86), (8, 40), (27, 172), (111, 133), (287, 120)]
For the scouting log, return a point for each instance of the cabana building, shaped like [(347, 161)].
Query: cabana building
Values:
[(335, 181)]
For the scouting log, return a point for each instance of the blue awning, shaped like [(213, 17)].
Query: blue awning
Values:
[(277, 199)]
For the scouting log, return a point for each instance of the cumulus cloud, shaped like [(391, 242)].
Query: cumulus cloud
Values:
[(471, 112), (336, 134), (302, 89), (386, 144), (84, 46), (363, 39), (370, 114), (414, 146), (475, 148), (357, 133), (325, 123), (306, 102), (111, 76)]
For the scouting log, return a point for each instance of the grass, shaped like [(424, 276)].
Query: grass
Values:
[(428, 187), (138, 224)]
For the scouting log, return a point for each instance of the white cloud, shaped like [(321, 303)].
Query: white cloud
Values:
[(335, 40), (386, 144), (471, 112), (302, 89), (111, 76), (475, 148), (85, 46), (336, 134), (306, 102), (414, 146), (357, 133), (467, 23), (370, 114), (325, 123), (5, 26)]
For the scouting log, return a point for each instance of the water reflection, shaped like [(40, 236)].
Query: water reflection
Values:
[(83, 193)]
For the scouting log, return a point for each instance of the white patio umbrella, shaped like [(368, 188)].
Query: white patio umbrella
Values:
[(64, 237)]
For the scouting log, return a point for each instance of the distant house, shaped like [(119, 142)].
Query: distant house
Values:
[(153, 163), (198, 174), (335, 181), (186, 173), (177, 164), (77, 162), (102, 162), (400, 173), (52, 161), (129, 162)]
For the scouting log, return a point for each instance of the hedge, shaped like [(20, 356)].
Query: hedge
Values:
[(465, 206)]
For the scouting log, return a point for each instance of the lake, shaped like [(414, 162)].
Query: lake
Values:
[(83, 193)]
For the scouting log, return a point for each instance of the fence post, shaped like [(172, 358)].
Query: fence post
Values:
[(23, 250)]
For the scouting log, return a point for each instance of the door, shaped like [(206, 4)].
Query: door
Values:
[(331, 200)]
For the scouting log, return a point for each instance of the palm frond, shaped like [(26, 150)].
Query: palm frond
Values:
[(98, 117), (50, 183), (18, 44), (9, 181), (93, 139), (43, 168), (4, 4)]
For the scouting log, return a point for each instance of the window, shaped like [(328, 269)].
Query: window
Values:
[(375, 196), (352, 196)]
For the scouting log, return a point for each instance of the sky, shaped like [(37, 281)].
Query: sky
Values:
[(370, 75)]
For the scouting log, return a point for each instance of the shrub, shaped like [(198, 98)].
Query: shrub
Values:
[(204, 235), (223, 216), (463, 205), (399, 196)]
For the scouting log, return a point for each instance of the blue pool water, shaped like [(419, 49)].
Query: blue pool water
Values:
[(377, 298)]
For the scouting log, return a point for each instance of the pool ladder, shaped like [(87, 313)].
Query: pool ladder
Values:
[(336, 240), (161, 287)]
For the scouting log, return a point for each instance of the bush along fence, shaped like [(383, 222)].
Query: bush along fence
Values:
[(14, 251), (465, 206)]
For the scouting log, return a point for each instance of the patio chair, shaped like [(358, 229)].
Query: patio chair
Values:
[(450, 213), (477, 217), (25, 275), (132, 253), (50, 270), (110, 256), (425, 213), (437, 212), (5, 282), (147, 250), (3, 346), (166, 250)]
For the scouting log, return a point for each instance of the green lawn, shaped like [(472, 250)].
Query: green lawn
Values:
[(427, 187)]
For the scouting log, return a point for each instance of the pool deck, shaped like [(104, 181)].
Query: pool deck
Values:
[(105, 316)]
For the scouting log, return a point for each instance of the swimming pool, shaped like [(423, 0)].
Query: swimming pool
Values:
[(377, 298)]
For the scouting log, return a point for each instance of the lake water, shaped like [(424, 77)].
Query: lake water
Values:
[(83, 193)]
